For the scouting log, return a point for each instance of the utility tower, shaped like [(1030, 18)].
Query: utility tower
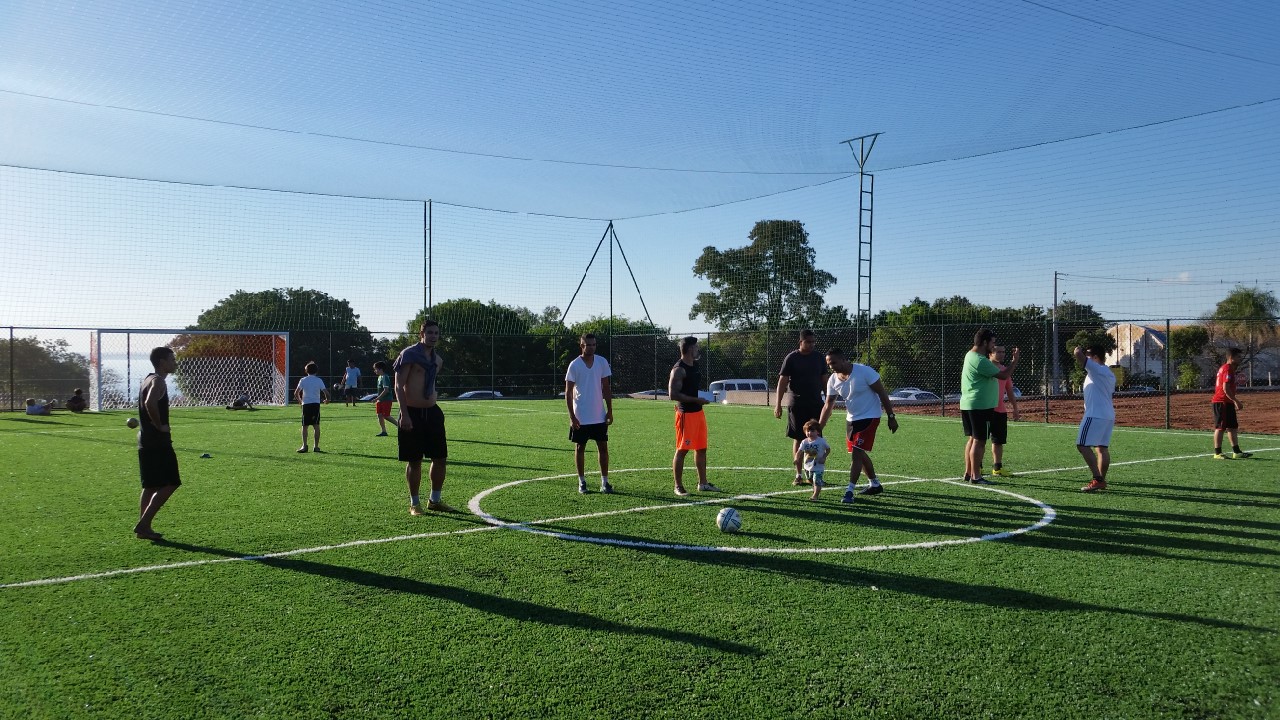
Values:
[(866, 202)]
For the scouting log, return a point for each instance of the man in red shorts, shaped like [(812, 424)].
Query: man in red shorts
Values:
[(864, 395), (1225, 405)]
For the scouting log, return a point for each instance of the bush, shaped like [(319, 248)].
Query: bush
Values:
[(1188, 376)]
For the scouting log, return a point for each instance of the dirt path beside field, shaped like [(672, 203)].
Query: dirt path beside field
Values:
[(1187, 411)]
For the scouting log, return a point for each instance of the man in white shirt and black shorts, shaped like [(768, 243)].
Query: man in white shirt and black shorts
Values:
[(590, 401)]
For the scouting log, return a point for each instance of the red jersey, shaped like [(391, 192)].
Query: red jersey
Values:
[(1226, 379)]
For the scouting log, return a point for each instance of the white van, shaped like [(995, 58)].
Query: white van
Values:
[(721, 388)]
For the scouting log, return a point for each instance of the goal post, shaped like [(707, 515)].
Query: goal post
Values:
[(214, 366)]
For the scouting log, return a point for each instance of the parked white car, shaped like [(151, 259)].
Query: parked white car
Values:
[(914, 397), (480, 395)]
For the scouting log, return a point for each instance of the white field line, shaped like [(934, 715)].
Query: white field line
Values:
[(1049, 515), (264, 556)]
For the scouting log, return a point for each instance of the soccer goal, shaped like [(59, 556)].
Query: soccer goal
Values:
[(214, 367)]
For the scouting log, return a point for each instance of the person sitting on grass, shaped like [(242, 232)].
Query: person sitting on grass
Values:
[(77, 403), (241, 403), (38, 408)]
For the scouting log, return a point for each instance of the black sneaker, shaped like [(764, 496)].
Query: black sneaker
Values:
[(871, 490), (848, 497), (582, 488), (981, 481), (606, 489)]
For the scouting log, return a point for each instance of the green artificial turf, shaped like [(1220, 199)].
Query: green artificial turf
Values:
[(1157, 598)]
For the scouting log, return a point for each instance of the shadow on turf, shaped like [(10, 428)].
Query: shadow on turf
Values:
[(991, 595), (484, 602)]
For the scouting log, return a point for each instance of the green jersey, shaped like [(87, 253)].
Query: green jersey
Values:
[(979, 387), (385, 392)]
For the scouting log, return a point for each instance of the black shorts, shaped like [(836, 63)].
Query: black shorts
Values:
[(977, 423), (799, 414), (158, 466), (352, 392), (598, 432), (311, 414), (1224, 416), (426, 439), (999, 428)]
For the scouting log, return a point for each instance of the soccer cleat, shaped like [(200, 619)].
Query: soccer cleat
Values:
[(848, 497), (709, 488), (582, 488), (317, 450), (438, 506), (606, 489), (302, 449), (871, 490), (1094, 486), (981, 481), (1220, 456), (1002, 472), (381, 434), (679, 490), (416, 510), (1241, 455)]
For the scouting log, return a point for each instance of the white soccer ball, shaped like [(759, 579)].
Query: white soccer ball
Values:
[(728, 520), (131, 422)]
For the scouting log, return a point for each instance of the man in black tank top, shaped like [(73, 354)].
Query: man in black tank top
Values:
[(157, 462), (691, 422)]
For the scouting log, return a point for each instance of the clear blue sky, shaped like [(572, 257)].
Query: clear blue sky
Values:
[(1132, 140)]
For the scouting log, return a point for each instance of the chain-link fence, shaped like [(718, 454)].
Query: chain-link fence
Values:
[(1160, 366)]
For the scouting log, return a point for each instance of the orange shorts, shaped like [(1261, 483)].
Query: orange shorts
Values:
[(691, 430)]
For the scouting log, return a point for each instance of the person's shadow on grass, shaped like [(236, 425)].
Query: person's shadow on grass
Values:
[(484, 602)]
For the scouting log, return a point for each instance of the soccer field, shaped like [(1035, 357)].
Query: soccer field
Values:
[(299, 586)]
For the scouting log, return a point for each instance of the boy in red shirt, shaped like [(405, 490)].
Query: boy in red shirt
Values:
[(1225, 405)]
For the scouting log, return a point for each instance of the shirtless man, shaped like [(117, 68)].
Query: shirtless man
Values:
[(421, 425)]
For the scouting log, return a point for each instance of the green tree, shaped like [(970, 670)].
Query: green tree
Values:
[(42, 369), (1247, 318), (322, 328), (1093, 337), (1185, 345), (773, 282), (1187, 342)]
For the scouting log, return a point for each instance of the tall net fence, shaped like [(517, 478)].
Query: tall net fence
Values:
[(1165, 370)]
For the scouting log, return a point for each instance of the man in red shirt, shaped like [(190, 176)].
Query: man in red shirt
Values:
[(1225, 405)]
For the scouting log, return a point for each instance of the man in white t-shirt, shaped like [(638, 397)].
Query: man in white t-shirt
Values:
[(351, 384), (1099, 418), (864, 395), (590, 402)]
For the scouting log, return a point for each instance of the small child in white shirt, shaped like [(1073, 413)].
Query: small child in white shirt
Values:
[(814, 449)]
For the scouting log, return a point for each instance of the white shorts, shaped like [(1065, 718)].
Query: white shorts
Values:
[(1095, 432)]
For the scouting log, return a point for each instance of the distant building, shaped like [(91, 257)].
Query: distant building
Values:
[(1139, 349)]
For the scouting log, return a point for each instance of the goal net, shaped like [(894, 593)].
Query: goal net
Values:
[(214, 367)]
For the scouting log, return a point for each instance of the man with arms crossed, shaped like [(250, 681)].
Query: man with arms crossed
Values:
[(804, 374), (1099, 419), (864, 395), (979, 395), (157, 462), (691, 421), (590, 401), (421, 424), (1225, 405)]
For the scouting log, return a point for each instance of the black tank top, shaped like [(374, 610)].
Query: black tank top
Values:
[(689, 386), (149, 435)]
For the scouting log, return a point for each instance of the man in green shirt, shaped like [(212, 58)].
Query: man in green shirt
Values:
[(979, 395)]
